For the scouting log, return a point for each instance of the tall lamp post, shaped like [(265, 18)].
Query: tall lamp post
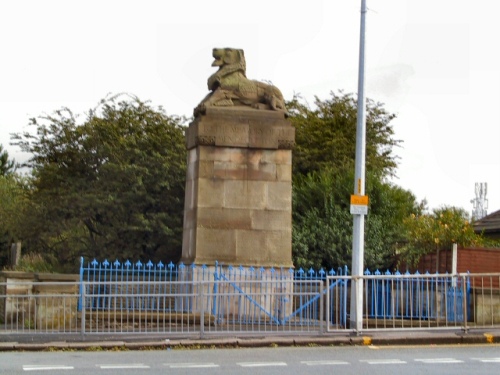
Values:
[(359, 201)]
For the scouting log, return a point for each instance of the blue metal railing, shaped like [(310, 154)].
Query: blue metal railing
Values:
[(408, 296), (296, 294), (104, 279)]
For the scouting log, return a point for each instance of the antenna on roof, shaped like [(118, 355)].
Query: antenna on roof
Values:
[(480, 203)]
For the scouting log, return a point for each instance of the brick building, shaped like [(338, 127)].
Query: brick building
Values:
[(489, 225)]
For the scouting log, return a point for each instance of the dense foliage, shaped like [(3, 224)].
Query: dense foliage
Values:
[(326, 136), (110, 187), (14, 199), (12, 195), (7, 165), (323, 180), (322, 223)]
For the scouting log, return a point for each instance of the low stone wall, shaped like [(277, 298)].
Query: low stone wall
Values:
[(17, 288), (40, 300), (487, 308)]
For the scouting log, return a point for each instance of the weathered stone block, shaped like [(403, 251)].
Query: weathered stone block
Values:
[(229, 171), (229, 154), (241, 127), (245, 194), (189, 241), (279, 246), (191, 196), (251, 248), (206, 169), (220, 242), (271, 220), (192, 171), (193, 156), (488, 309), (279, 196), (284, 172), (210, 192), (224, 218), (263, 248), (283, 157), (262, 172)]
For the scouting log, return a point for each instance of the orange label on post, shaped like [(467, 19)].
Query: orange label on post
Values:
[(360, 200)]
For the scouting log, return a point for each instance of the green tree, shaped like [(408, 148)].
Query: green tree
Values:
[(7, 170), (326, 135), (110, 187), (322, 223), (390, 205), (7, 165), (439, 230), (15, 193), (321, 228), (323, 181)]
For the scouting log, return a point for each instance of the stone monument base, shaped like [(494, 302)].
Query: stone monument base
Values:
[(238, 188)]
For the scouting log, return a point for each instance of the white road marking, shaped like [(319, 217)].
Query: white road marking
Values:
[(46, 367), (191, 365), (127, 366), (261, 364), (439, 360), (324, 363), (487, 360), (383, 361)]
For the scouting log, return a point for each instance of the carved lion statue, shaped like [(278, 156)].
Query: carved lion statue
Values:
[(229, 85)]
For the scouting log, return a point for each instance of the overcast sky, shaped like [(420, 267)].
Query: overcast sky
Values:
[(434, 63)]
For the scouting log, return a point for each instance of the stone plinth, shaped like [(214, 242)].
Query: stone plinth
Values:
[(238, 202)]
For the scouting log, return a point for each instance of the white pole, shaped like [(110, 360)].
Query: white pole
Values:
[(358, 247), (454, 264)]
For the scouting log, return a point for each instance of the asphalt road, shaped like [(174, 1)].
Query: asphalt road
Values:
[(428, 360)]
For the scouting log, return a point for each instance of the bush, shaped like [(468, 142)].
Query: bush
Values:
[(34, 263)]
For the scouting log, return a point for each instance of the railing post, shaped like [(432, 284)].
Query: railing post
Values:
[(216, 279), (328, 305), (344, 305), (465, 302), (80, 302), (202, 310), (83, 307), (321, 307)]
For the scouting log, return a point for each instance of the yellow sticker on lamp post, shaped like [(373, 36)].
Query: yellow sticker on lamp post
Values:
[(359, 200), (359, 204)]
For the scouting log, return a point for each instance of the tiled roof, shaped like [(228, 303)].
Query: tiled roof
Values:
[(488, 224)]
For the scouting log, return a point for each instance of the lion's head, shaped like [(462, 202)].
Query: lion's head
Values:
[(229, 56)]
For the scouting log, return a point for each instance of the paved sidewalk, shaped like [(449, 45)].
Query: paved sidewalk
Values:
[(26, 342)]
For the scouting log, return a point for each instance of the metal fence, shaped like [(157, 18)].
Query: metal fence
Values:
[(223, 300), (215, 299), (39, 307), (414, 301), (217, 308)]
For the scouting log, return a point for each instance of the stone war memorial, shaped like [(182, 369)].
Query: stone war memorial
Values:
[(238, 203)]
